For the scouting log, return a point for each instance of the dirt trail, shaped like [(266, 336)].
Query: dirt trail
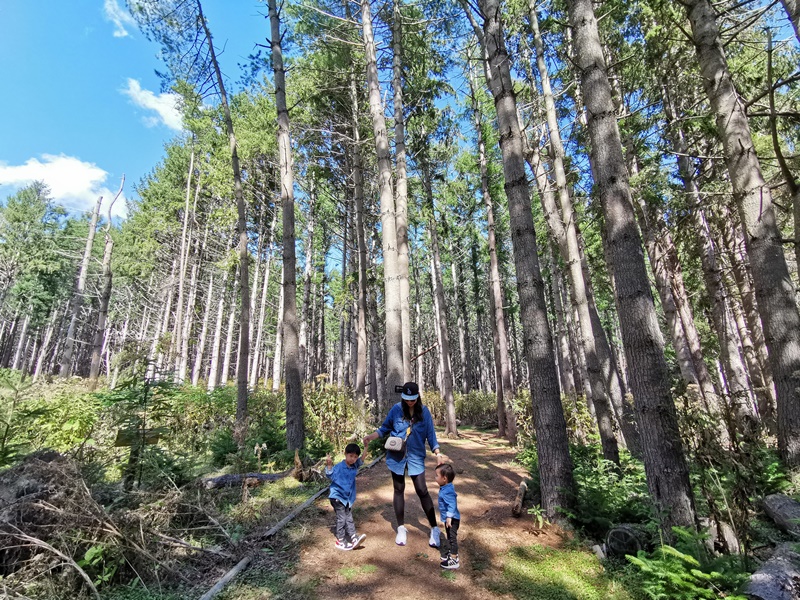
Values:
[(486, 482)]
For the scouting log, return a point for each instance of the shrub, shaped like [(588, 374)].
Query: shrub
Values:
[(608, 494)]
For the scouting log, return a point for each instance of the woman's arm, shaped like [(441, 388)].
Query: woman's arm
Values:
[(430, 434), (385, 428)]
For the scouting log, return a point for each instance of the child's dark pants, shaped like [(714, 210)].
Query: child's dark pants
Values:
[(449, 544), (345, 527)]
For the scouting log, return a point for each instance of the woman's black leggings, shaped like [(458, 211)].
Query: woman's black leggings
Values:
[(421, 488)]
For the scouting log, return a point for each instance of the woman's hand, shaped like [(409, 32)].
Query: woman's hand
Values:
[(440, 458), (367, 439)]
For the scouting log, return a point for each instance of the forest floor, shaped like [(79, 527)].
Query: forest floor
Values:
[(487, 480)]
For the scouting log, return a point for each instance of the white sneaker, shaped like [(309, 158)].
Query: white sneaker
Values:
[(402, 533), (433, 542)]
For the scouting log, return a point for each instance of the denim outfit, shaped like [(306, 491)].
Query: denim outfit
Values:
[(448, 509), (397, 425), (342, 496)]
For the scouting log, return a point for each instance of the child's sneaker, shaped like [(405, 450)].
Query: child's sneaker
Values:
[(359, 539), (450, 562), (433, 542), (342, 545), (400, 538)]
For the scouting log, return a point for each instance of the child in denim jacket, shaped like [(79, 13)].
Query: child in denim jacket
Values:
[(451, 518), (343, 495)]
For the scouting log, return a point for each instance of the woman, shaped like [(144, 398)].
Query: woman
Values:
[(410, 420)]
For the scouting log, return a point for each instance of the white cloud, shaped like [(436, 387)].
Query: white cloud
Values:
[(74, 184), (165, 105), (119, 16)]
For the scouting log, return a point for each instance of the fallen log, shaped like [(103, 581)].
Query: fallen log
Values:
[(242, 564), (778, 578), (236, 480), (784, 511)]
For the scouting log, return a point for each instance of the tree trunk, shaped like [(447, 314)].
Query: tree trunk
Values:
[(565, 368), (340, 347), (358, 197), (306, 311), (401, 192), (19, 355), (732, 244), (48, 336), (391, 277), (258, 349), (213, 370), (183, 260), (226, 355), (277, 362), (105, 296), (504, 386), (555, 464), (295, 429), (155, 356), (77, 298), (189, 314), (450, 429), (792, 8), (201, 342), (665, 464), (462, 320), (775, 292)]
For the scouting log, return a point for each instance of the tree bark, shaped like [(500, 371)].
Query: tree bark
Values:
[(792, 8), (226, 355), (461, 319), (775, 292), (358, 198), (445, 358), (665, 464), (213, 369), (401, 191), (201, 342), (565, 232), (77, 298), (555, 464), (295, 429), (307, 271), (258, 350), (503, 383), (277, 362), (391, 278), (105, 297), (240, 428), (183, 261)]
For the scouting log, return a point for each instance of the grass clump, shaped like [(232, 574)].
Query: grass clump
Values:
[(351, 573), (556, 574)]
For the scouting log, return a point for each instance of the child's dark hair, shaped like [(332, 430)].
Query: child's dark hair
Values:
[(448, 471), (352, 448)]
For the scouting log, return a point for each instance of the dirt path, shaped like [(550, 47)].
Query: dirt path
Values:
[(486, 482)]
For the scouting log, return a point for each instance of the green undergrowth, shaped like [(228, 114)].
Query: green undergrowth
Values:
[(351, 573), (556, 574)]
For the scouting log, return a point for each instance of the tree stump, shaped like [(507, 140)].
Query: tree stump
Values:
[(625, 539), (516, 510)]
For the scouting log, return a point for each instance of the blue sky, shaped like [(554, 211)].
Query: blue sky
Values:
[(81, 102)]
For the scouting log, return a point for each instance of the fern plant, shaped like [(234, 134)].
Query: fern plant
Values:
[(687, 573)]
